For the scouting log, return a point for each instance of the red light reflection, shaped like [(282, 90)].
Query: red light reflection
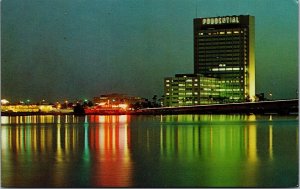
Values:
[(109, 144)]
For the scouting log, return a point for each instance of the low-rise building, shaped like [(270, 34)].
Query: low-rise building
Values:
[(27, 108), (116, 99), (190, 89)]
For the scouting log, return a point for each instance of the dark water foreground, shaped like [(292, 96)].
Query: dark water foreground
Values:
[(149, 151)]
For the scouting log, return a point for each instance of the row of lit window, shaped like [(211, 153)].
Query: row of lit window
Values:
[(230, 81), (214, 57), (223, 51), (181, 98), (207, 93), (211, 59), (223, 56), (226, 69), (182, 89), (218, 38), (205, 65), (235, 94), (209, 85), (217, 58), (221, 32), (220, 51), (186, 80), (182, 85), (207, 42), (187, 102), (221, 46), (183, 94), (212, 43), (218, 54), (182, 80), (229, 90)]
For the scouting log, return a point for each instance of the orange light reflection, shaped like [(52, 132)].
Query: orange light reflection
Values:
[(109, 142)]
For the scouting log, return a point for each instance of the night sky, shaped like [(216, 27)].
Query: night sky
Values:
[(76, 49)]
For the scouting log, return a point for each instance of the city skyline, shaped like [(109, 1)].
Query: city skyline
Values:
[(80, 49)]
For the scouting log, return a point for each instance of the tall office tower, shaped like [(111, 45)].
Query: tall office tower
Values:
[(224, 49)]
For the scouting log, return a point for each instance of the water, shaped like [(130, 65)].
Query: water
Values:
[(150, 151)]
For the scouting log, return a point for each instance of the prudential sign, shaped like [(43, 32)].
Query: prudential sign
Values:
[(221, 20)]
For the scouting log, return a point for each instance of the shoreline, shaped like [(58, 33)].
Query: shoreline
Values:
[(281, 107)]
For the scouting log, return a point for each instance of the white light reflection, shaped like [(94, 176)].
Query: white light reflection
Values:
[(4, 120), (271, 142), (4, 138)]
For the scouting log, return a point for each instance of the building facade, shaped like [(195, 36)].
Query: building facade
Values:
[(224, 49), (115, 99), (190, 89)]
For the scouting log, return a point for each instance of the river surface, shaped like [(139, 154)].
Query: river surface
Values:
[(150, 151)]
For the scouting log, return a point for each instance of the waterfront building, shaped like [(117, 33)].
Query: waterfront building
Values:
[(113, 103), (224, 49), (22, 108), (190, 89), (115, 99)]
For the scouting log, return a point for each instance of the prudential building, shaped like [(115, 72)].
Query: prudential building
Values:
[(224, 49)]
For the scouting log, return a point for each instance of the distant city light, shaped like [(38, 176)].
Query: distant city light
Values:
[(4, 101), (124, 106)]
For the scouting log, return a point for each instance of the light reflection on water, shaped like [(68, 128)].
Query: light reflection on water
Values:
[(149, 151)]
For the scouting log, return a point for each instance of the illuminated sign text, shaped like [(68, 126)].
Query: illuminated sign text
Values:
[(221, 20)]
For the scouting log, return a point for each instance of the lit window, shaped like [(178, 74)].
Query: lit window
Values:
[(229, 32), (167, 93), (189, 80), (222, 33), (236, 32), (195, 84), (167, 81), (167, 85)]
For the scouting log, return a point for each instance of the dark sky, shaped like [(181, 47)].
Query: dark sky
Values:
[(69, 49)]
